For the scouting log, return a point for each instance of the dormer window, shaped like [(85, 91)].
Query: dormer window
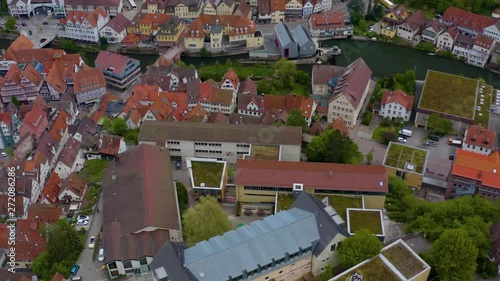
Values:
[(298, 187)]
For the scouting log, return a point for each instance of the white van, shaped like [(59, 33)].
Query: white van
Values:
[(405, 132), (101, 255)]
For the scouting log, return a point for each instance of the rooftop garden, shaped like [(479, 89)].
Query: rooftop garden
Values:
[(374, 270), (404, 261), (339, 203), (359, 219), (450, 94), (482, 116), (265, 152), (398, 156), (208, 174), (93, 170)]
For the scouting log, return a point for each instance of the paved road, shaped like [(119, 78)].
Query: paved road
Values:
[(91, 270), (38, 30)]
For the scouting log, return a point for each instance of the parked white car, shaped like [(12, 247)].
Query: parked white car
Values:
[(401, 139), (82, 222), (92, 242)]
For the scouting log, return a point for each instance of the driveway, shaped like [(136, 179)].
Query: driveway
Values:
[(91, 270), (495, 125)]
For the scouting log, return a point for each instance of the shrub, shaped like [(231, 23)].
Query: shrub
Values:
[(386, 122), (205, 53), (367, 118)]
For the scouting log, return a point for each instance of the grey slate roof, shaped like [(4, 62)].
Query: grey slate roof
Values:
[(283, 33), (327, 220), (249, 246), (169, 263), (301, 35)]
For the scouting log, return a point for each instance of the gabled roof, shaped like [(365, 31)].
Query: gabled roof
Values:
[(283, 33), (467, 19), (245, 100), (111, 62), (416, 21), (32, 75), (146, 92), (60, 126), (197, 114), (243, 9), (55, 80), (248, 86), (88, 80), (30, 243), (353, 83), (400, 12), (118, 23), (7, 205), (110, 145), (277, 5), (327, 20), (79, 17), (322, 73), (464, 41), (264, 7), (46, 148), (484, 168), (103, 104), (85, 127), (6, 117), (138, 192), (329, 223), (58, 277), (262, 242), (75, 184), (131, 38), (33, 122), (170, 262), (21, 43), (479, 136), (70, 152), (218, 117), (327, 176), (399, 97), (52, 188), (484, 42), (339, 124), (232, 77), (95, 3)]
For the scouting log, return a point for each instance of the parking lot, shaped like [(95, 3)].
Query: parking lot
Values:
[(38, 28)]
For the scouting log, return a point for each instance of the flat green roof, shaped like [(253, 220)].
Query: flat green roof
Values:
[(403, 260), (374, 270), (406, 158), (369, 219), (207, 173), (449, 94)]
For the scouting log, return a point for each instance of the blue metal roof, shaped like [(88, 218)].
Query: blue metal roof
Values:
[(283, 33), (247, 247), (301, 35)]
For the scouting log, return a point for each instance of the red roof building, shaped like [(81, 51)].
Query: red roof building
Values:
[(479, 140), (473, 173), (467, 22), (35, 122), (89, 85), (396, 104), (50, 192)]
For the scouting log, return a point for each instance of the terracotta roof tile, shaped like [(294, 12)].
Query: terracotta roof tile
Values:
[(484, 42), (103, 104), (60, 126), (327, 20), (22, 42), (110, 145), (6, 117), (479, 136), (146, 93), (52, 188), (30, 243), (232, 77), (34, 122), (248, 87), (88, 80), (112, 62), (131, 38), (118, 23), (339, 124), (468, 19), (79, 17), (5, 203), (478, 167), (353, 83), (277, 5), (399, 97), (75, 184), (218, 117), (326, 176), (70, 152), (197, 114)]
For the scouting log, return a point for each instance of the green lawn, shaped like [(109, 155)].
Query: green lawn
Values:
[(359, 219), (94, 170), (208, 173), (375, 270), (482, 117), (285, 201), (399, 155), (341, 203), (265, 152), (380, 130), (216, 71), (450, 94)]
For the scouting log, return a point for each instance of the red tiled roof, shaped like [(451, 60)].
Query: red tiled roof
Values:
[(484, 168), (152, 20), (416, 21), (112, 62), (78, 17), (479, 136), (264, 7), (118, 23), (13, 74), (232, 77), (197, 114), (52, 188), (87, 80), (326, 176), (110, 145), (58, 277), (22, 42), (399, 97), (103, 104), (484, 42), (6, 206), (146, 92), (44, 212), (30, 167), (131, 38), (277, 103), (467, 19), (6, 117), (327, 20), (34, 122), (248, 87), (60, 126), (353, 83), (30, 243), (75, 184), (339, 124), (70, 152), (277, 5), (32, 75)]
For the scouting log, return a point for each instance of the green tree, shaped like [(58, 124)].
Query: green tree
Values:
[(103, 42), (10, 23), (356, 6), (15, 101), (362, 246), (118, 126), (295, 118), (204, 53), (10, 151), (285, 72), (334, 147), (182, 197), (369, 157), (4, 6), (204, 221), (328, 273), (107, 124), (69, 45), (439, 125), (454, 255), (265, 86)]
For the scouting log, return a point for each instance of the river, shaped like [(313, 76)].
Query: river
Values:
[(384, 59)]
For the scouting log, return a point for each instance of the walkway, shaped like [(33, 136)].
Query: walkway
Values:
[(171, 55)]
